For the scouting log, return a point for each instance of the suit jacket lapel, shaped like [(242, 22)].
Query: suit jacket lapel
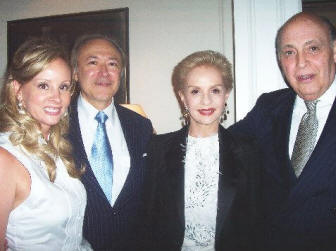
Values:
[(174, 173), (226, 182), (283, 171), (130, 135), (80, 156), (319, 168)]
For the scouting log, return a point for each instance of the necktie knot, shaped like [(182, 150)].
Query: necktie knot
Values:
[(311, 105), (101, 117)]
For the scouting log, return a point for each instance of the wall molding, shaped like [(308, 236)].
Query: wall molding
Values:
[(256, 69)]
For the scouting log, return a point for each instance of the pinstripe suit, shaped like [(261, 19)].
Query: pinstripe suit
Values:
[(106, 227)]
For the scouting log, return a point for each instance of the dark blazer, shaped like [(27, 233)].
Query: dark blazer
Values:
[(300, 213), (106, 227), (237, 215)]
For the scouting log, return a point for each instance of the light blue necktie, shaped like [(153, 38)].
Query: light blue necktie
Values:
[(101, 156)]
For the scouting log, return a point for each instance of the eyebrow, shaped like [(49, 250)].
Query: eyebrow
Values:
[(218, 85), (96, 57), (306, 43)]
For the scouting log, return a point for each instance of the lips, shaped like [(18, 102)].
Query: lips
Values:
[(206, 112), (103, 82), (52, 110), (305, 77)]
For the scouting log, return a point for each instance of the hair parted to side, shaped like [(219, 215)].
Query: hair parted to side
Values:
[(307, 15), (201, 58), (31, 58), (86, 38)]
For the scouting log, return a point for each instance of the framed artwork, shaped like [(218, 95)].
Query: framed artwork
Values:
[(321, 8), (66, 28)]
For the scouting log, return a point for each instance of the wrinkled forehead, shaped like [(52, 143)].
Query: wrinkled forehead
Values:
[(307, 25)]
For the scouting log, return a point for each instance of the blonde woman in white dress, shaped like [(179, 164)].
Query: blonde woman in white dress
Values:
[(42, 200), (203, 186)]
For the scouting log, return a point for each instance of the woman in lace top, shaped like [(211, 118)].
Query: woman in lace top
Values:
[(203, 183), (42, 200)]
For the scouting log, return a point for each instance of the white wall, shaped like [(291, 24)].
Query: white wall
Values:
[(256, 23), (161, 34)]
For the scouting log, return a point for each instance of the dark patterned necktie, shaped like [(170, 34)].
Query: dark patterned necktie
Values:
[(305, 138), (101, 156)]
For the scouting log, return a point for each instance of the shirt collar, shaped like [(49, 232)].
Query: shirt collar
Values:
[(327, 98), (91, 111)]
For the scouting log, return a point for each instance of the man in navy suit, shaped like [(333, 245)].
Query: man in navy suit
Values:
[(299, 206), (111, 220)]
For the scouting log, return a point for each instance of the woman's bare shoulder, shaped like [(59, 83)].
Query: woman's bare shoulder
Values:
[(9, 165)]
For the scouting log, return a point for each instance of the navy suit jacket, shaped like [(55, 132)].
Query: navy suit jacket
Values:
[(300, 213), (106, 227), (238, 193)]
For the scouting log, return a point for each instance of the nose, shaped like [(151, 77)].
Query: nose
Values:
[(56, 95), (206, 99), (103, 70), (301, 59)]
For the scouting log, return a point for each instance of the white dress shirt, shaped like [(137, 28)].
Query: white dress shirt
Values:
[(323, 107), (121, 157)]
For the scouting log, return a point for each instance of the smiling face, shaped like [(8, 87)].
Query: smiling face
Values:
[(46, 97), (98, 72), (307, 58), (204, 95)]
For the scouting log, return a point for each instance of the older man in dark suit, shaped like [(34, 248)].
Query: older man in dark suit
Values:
[(109, 141), (296, 130)]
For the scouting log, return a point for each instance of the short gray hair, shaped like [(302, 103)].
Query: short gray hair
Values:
[(86, 38)]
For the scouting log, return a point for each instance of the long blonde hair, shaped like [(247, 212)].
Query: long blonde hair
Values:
[(31, 58)]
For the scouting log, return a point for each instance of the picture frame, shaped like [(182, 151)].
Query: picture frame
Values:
[(66, 28), (321, 8)]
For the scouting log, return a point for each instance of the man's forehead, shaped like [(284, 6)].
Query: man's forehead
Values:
[(99, 47), (305, 23), (303, 28)]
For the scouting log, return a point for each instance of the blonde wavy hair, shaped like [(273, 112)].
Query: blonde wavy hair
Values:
[(31, 58)]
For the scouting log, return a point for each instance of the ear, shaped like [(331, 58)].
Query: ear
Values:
[(17, 89), (181, 95), (226, 96)]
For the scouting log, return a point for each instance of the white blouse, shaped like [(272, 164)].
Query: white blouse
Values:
[(51, 217), (201, 189)]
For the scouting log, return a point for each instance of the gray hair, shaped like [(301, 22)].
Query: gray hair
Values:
[(84, 39)]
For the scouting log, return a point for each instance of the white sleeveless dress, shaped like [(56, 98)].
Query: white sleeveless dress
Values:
[(51, 217)]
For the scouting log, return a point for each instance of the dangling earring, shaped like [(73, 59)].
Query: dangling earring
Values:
[(185, 116), (223, 117), (20, 108)]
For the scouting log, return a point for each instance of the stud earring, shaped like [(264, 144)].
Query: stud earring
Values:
[(65, 114)]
